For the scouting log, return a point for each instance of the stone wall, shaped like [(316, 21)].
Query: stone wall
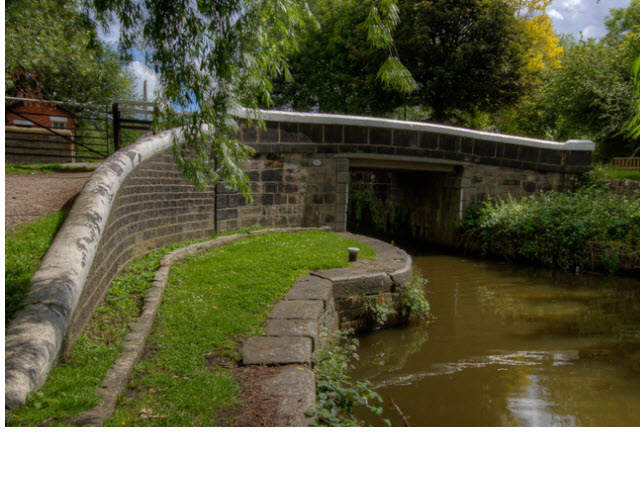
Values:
[(134, 202), (289, 190), (152, 208)]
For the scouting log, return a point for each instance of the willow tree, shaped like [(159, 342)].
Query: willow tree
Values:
[(216, 55)]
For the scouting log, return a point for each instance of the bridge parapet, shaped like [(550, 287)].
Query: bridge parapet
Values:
[(407, 145)]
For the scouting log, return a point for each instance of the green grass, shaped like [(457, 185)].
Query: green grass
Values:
[(47, 168), (245, 282), (24, 248), (619, 174), (213, 301), (72, 384)]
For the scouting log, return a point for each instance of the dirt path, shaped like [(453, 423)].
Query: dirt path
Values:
[(30, 196)]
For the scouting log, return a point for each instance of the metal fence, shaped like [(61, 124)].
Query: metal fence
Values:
[(43, 131)]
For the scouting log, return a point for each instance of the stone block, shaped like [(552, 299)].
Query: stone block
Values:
[(450, 143), (310, 133), (355, 134), (379, 136), (332, 134), (309, 309), (348, 282), (429, 140), (406, 138), (296, 327), (309, 287), (276, 350), (295, 391)]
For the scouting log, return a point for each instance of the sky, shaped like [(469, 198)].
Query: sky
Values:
[(577, 17), (586, 16)]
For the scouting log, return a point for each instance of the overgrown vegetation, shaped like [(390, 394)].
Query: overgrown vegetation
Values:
[(24, 248), (590, 228), (72, 384), (213, 301), (338, 394), (408, 304), (47, 168)]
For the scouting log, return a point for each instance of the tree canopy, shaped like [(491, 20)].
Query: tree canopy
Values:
[(463, 55), (52, 51)]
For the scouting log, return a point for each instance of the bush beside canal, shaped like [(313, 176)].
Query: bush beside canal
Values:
[(588, 228)]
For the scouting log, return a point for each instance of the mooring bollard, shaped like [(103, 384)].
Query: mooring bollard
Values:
[(353, 253)]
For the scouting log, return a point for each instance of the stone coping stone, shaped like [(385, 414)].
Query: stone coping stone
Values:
[(308, 287), (361, 121), (295, 392), (276, 350), (294, 327), (348, 282), (302, 309)]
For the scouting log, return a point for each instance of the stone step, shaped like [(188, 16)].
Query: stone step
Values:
[(276, 350)]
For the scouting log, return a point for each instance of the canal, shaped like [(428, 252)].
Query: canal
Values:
[(510, 346)]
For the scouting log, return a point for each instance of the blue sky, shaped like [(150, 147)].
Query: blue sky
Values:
[(569, 16)]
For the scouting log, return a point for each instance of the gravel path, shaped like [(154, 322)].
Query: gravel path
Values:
[(30, 196)]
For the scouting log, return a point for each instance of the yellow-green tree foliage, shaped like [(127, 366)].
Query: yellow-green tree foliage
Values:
[(545, 50)]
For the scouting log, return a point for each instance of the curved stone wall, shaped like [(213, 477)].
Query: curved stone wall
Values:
[(134, 202)]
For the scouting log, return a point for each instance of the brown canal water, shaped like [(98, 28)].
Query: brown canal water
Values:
[(510, 346)]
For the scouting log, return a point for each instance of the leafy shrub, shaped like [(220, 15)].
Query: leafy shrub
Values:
[(588, 227)]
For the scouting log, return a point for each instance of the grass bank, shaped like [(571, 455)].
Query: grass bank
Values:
[(72, 384), (47, 168), (618, 173), (212, 301), (23, 249), (590, 228)]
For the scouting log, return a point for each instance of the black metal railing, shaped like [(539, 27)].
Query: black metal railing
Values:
[(45, 131), (42, 131)]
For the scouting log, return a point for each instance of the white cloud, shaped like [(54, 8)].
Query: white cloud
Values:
[(555, 14), (591, 31), (586, 16), (141, 73)]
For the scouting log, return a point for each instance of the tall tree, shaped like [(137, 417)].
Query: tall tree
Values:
[(588, 97), (544, 50), (52, 51), (463, 54)]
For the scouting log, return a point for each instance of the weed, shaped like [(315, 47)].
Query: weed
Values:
[(409, 304), (338, 395)]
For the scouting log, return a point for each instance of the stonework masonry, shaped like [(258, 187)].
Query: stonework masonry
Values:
[(289, 190)]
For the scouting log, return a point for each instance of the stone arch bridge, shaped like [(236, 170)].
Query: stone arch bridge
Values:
[(318, 169)]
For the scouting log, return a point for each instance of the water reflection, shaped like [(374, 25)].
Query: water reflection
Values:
[(512, 346)]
